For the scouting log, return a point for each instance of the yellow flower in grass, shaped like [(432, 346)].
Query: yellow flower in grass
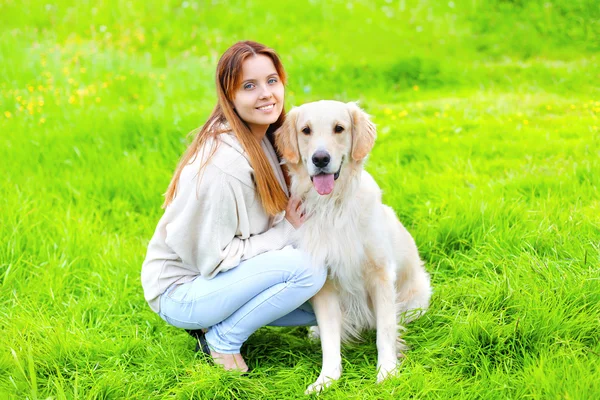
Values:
[(30, 88), (7, 114), (387, 111), (416, 88), (572, 106), (525, 122), (548, 108), (98, 99), (72, 99), (141, 107), (42, 120)]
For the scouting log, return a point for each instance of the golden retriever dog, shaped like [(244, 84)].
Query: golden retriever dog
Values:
[(375, 276)]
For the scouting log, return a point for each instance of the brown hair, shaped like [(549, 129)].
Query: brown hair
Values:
[(228, 79)]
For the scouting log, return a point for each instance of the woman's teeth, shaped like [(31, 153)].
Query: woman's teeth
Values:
[(267, 108)]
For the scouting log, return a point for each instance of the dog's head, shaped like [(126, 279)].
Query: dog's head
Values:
[(324, 136)]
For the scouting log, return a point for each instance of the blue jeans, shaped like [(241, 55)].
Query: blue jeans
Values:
[(272, 288)]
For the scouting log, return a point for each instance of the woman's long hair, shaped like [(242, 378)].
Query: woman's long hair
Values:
[(228, 79)]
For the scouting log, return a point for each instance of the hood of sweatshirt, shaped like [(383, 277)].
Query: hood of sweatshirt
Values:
[(229, 139)]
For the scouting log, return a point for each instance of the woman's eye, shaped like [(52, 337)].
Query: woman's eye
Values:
[(306, 130), (339, 129), (272, 81), (248, 86)]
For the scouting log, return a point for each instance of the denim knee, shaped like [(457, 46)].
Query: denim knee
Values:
[(303, 269)]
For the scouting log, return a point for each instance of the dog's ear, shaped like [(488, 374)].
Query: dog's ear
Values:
[(286, 138), (363, 132)]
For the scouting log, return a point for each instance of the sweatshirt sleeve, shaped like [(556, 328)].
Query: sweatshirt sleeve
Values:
[(203, 231)]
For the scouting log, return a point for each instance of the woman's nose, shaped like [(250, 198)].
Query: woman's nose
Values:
[(265, 93)]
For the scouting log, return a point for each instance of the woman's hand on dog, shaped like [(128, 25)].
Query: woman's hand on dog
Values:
[(293, 212)]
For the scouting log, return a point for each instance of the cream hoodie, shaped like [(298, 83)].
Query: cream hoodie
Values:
[(215, 221)]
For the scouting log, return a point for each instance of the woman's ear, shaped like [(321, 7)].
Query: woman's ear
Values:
[(286, 138), (363, 132)]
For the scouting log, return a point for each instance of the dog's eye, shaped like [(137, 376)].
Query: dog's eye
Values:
[(306, 130), (338, 129)]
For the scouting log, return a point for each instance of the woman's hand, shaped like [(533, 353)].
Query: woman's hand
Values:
[(293, 212)]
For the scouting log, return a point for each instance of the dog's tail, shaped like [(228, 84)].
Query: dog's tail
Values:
[(413, 291), (413, 286)]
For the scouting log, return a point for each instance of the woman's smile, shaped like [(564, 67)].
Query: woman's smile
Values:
[(266, 108)]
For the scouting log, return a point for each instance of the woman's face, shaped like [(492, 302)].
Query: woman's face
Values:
[(259, 99)]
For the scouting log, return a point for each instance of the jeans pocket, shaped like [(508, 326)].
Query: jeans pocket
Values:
[(181, 324), (170, 292)]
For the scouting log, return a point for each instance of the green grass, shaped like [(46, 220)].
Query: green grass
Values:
[(488, 150)]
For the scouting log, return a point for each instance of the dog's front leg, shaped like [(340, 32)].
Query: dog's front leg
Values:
[(329, 318), (382, 294)]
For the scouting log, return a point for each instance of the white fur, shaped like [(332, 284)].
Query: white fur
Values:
[(375, 276)]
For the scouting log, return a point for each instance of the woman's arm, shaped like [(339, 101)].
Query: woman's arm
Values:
[(204, 225)]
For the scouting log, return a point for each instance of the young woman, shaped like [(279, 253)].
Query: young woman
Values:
[(220, 260)]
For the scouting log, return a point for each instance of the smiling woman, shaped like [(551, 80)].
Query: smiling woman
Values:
[(220, 264), (259, 100)]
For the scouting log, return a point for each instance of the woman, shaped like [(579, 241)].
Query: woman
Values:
[(220, 259)]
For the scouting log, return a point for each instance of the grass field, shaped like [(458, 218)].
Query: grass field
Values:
[(488, 150)]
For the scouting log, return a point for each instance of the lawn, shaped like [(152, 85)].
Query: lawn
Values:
[(488, 149)]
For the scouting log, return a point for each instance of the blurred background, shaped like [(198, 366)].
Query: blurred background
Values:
[(488, 149)]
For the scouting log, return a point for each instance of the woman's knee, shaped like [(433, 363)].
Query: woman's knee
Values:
[(302, 267)]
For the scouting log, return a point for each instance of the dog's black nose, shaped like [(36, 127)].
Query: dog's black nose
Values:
[(321, 159)]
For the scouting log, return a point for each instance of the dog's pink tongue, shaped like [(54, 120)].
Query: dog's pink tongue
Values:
[(323, 183)]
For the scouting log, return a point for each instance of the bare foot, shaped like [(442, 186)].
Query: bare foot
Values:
[(231, 362)]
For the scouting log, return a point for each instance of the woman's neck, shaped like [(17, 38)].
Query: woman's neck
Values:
[(258, 131)]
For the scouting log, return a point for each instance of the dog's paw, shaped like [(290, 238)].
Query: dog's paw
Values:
[(320, 384), (401, 348), (386, 369), (314, 334), (324, 380), (317, 387)]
